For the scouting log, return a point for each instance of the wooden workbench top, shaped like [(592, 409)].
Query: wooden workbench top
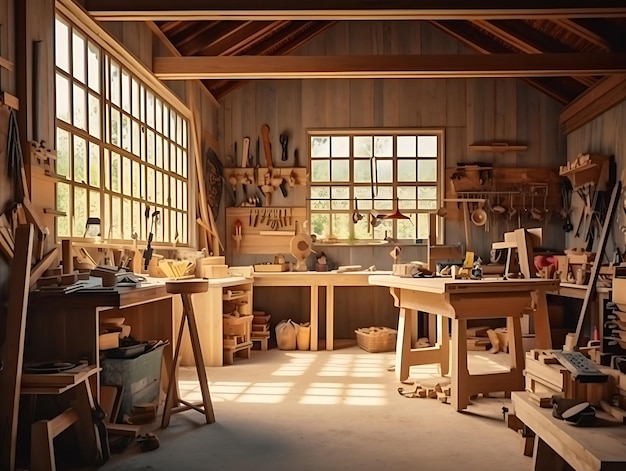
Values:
[(449, 285)]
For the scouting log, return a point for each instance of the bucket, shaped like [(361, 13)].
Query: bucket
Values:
[(303, 337)]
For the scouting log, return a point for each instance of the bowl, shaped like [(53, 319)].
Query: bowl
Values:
[(479, 217)]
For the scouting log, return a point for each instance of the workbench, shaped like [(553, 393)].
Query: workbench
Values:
[(599, 446), (66, 326), (316, 280), (461, 300)]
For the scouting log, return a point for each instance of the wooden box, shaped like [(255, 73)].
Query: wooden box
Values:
[(214, 271), (272, 267)]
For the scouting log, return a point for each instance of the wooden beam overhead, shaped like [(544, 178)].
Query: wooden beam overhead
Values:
[(584, 33), (196, 10), (380, 66), (603, 96)]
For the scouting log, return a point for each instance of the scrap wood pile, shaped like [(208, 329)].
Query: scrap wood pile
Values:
[(441, 391), (487, 339)]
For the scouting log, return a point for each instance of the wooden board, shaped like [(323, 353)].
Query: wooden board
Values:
[(11, 374)]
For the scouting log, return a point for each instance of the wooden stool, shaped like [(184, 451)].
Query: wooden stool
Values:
[(79, 414), (173, 402)]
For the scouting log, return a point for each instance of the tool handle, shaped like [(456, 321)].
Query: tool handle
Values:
[(267, 147)]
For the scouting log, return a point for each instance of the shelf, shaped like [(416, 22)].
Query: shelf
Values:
[(54, 212), (497, 147)]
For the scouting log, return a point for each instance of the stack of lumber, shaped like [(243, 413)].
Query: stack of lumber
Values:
[(546, 377), (261, 328)]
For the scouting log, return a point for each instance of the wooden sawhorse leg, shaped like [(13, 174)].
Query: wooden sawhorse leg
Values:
[(173, 401)]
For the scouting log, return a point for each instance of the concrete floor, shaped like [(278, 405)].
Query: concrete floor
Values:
[(338, 410)]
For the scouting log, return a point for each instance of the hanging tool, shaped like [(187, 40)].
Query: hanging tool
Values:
[(245, 152), (147, 253), (258, 152), (284, 142), (237, 236), (267, 146)]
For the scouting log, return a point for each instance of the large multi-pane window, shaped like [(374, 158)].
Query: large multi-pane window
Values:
[(122, 148), (373, 174)]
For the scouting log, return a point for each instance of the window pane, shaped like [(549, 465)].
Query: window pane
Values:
[(384, 200), (95, 121), (159, 187), (363, 195), (340, 146), (136, 138), (150, 184), (340, 197), (423, 225), (116, 217), (135, 97), (427, 170), (149, 108), (363, 146), (385, 171), (63, 153), (150, 146), (63, 204), (116, 173), (126, 102), (127, 219), (320, 223), (137, 217), (159, 116), (61, 45), (126, 176), (80, 211), (362, 229), (78, 56), (341, 226), (63, 98), (384, 229), (427, 192), (320, 171), (185, 160), (427, 146), (406, 171), (340, 171), (383, 146), (158, 151), (80, 160), (320, 146), (115, 127), (136, 180), (126, 133), (107, 169), (93, 67), (94, 205), (105, 225), (94, 165), (185, 195), (320, 196), (362, 171), (79, 109), (407, 196), (407, 228), (115, 83), (406, 146)]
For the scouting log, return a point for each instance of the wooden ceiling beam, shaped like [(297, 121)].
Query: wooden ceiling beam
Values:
[(213, 35), (380, 66), (562, 91), (196, 10), (170, 47), (610, 32), (523, 38), (607, 93)]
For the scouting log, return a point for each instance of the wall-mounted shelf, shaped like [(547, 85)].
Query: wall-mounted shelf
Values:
[(497, 147), (54, 212), (292, 175), (587, 169)]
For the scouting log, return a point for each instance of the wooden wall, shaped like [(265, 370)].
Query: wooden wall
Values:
[(607, 135), (470, 111)]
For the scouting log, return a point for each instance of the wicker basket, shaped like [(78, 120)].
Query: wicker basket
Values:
[(376, 339)]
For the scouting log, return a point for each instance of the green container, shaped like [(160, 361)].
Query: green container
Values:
[(140, 378)]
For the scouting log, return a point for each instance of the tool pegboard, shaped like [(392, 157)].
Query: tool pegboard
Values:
[(264, 230)]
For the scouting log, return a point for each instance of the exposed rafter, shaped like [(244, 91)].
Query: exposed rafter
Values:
[(563, 91), (525, 39), (380, 66), (195, 10)]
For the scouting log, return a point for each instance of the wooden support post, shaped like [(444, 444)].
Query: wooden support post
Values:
[(67, 256), (11, 374)]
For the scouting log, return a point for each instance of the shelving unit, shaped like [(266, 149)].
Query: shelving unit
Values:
[(498, 147), (594, 171)]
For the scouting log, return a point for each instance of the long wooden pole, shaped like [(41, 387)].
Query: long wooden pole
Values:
[(13, 351)]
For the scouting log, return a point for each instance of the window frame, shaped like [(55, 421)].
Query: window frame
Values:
[(178, 139), (365, 209)]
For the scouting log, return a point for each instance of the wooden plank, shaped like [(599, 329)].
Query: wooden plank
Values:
[(10, 100), (595, 269), (11, 374), (197, 10), (395, 66), (46, 262), (607, 93)]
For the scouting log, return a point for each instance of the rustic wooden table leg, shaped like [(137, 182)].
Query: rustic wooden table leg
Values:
[(330, 317), (460, 373), (516, 353), (541, 320), (443, 336), (314, 317), (403, 343)]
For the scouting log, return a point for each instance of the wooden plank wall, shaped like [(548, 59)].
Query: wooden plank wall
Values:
[(605, 134), (470, 111)]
